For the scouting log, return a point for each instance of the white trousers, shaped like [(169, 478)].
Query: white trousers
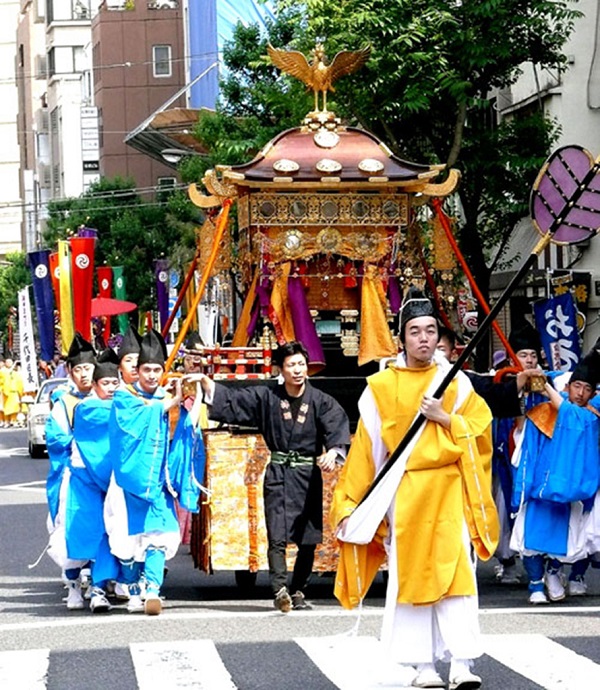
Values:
[(423, 634)]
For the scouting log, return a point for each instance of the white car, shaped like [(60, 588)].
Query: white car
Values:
[(39, 412)]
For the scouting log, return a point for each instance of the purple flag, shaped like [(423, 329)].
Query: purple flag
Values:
[(304, 326), (39, 264), (87, 232), (161, 271)]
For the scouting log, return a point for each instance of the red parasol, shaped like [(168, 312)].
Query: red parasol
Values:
[(107, 306)]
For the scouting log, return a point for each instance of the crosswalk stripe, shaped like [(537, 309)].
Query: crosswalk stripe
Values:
[(192, 664), (24, 669), (543, 661), (350, 662)]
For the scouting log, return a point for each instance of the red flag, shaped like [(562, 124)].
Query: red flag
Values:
[(82, 272), (105, 281), (105, 284), (53, 261)]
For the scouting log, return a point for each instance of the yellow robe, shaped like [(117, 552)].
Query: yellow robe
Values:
[(12, 389), (447, 482)]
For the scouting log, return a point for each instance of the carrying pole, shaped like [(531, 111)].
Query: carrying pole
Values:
[(221, 225), (437, 205)]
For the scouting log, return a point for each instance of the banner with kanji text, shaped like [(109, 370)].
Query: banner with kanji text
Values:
[(67, 325), (556, 321), (26, 343)]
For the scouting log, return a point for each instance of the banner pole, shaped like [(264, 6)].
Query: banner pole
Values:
[(219, 231)]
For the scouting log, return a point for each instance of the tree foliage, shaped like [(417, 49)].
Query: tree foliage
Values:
[(14, 276), (133, 230)]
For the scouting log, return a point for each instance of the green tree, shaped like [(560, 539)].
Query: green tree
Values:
[(14, 276), (133, 230)]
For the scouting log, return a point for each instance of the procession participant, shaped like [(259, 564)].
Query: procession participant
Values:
[(80, 364), (192, 357), (555, 488), (525, 342), (2, 373), (12, 390), (196, 420), (505, 400), (129, 352), (307, 432), (139, 442), (441, 508), (502, 397), (90, 468)]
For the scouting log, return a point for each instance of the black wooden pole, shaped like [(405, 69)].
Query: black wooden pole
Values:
[(464, 355)]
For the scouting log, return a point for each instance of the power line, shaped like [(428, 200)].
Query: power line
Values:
[(108, 194), (127, 64)]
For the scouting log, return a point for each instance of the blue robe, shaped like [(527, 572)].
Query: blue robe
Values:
[(554, 472), (90, 474), (187, 462), (139, 444), (59, 439)]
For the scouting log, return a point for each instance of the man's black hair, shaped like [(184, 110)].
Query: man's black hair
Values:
[(294, 347), (444, 332)]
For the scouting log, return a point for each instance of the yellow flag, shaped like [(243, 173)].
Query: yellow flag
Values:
[(67, 325)]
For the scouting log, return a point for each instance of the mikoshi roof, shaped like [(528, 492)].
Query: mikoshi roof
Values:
[(299, 156)]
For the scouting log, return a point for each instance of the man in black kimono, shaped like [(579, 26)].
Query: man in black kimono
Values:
[(307, 431)]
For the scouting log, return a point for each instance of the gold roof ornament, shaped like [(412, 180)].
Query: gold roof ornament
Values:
[(319, 74), (219, 191)]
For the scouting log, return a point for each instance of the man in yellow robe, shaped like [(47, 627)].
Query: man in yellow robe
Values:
[(436, 517), (12, 391)]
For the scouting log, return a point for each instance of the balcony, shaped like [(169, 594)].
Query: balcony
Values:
[(163, 4)]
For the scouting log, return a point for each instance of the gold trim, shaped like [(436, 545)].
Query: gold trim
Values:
[(202, 200), (443, 188), (542, 244)]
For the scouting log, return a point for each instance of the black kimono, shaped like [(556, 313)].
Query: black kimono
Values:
[(293, 488)]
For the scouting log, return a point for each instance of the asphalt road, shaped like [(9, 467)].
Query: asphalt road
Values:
[(207, 621)]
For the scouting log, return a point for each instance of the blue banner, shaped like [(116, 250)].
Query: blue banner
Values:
[(39, 264), (556, 321)]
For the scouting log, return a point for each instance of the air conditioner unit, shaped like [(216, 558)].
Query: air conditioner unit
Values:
[(44, 176), (41, 67), (42, 120)]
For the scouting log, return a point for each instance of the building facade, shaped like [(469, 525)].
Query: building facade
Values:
[(139, 64), (11, 209)]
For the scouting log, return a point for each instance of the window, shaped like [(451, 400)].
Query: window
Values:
[(166, 186), (66, 60), (161, 61)]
